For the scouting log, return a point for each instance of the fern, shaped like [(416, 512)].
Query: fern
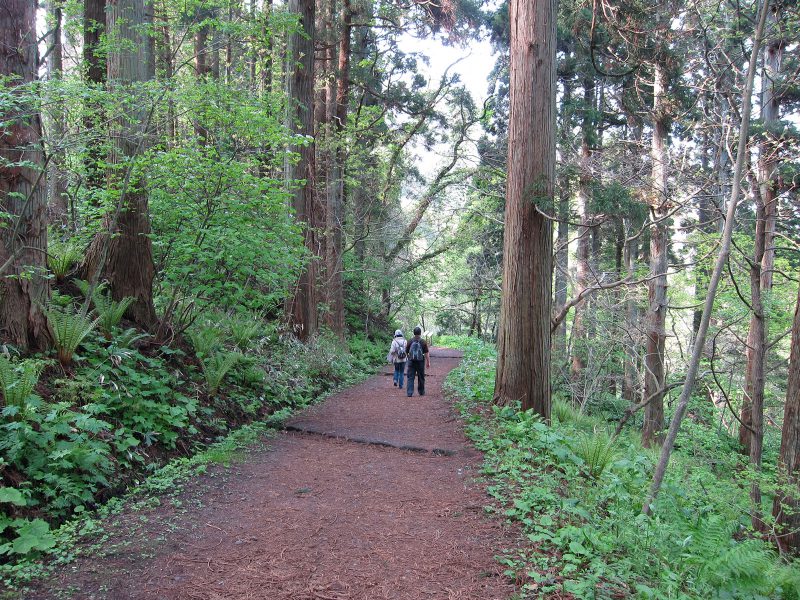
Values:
[(216, 367), (725, 565), (109, 312), (597, 450), (68, 327), (61, 258), (243, 331), (18, 380), (205, 341), (563, 412)]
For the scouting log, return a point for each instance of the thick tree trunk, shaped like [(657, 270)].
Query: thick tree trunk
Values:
[(302, 307), (124, 254), (523, 359), (786, 506), (94, 27), (657, 286), (23, 194), (336, 200)]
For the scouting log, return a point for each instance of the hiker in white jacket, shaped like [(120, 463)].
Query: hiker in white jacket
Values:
[(397, 356)]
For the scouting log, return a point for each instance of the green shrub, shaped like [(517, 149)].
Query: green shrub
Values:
[(62, 257), (18, 380), (597, 450), (216, 367), (69, 327)]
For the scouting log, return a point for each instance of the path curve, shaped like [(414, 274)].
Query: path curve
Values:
[(367, 496)]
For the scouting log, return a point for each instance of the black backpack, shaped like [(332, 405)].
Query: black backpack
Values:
[(401, 351), (415, 352)]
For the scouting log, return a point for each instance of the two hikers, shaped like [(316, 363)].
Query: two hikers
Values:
[(413, 352)]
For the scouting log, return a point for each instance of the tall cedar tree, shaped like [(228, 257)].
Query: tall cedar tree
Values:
[(302, 307), (23, 193), (124, 253), (523, 361)]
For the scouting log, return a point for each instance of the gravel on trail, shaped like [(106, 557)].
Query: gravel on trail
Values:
[(369, 495)]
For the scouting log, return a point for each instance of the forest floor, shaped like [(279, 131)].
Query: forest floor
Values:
[(369, 495)]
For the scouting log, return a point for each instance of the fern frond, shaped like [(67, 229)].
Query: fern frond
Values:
[(68, 327), (18, 380), (216, 367)]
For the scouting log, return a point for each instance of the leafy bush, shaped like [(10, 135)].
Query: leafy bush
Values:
[(69, 327), (18, 379), (109, 312), (62, 257), (216, 366)]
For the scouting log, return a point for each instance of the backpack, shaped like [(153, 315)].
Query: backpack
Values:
[(401, 352), (415, 352)]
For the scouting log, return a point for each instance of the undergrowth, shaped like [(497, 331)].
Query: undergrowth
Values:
[(75, 434), (577, 495)]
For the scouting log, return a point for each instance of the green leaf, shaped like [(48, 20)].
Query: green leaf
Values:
[(12, 495), (33, 535)]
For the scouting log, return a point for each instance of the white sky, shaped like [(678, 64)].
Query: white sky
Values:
[(474, 67)]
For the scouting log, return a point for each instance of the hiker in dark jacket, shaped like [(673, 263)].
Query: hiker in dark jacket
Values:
[(417, 358)]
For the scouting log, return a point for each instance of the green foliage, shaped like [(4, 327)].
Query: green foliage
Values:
[(597, 450), (69, 327), (577, 496), (109, 312), (62, 257), (18, 380), (216, 367)]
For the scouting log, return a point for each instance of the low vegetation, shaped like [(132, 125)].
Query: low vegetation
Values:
[(576, 492)]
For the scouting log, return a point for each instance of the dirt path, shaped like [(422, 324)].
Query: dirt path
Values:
[(367, 496)]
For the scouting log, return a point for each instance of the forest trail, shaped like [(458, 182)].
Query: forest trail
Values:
[(367, 496)]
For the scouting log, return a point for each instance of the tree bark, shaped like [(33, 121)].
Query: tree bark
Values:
[(523, 360), (562, 250), (23, 194), (657, 286), (302, 306), (57, 199), (124, 254), (94, 27), (786, 506), (336, 199), (583, 254)]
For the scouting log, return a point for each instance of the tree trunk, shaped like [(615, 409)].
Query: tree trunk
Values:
[(716, 275), (562, 250), (580, 337), (657, 286), (124, 253), (94, 27), (763, 263), (523, 358), (630, 383), (57, 199), (335, 207), (23, 194), (302, 307), (786, 506)]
